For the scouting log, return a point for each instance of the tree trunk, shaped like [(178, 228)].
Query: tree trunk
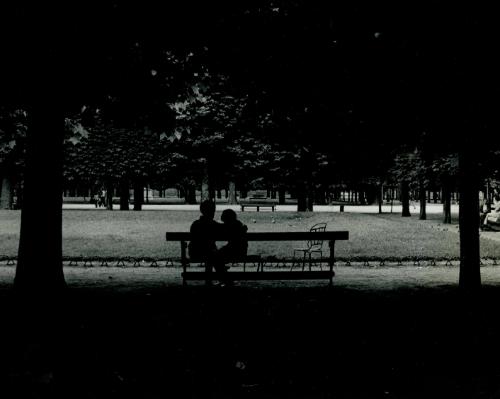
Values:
[(405, 199), (7, 193), (470, 273), (281, 196), (362, 197), (446, 203), (124, 195), (232, 193), (205, 186), (320, 195), (380, 198), (310, 200), (423, 201), (190, 191), (109, 196), (138, 195), (39, 267), (301, 198)]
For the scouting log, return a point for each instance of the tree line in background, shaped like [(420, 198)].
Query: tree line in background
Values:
[(209, 146)]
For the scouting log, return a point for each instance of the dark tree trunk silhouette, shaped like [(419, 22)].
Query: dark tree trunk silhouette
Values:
[(446, 202), (301, 197), (470, 274), (310, 197), (7, 193), (39, 266), (362, 197), (190, 194), (124, 195), (423, 201), (232, 193), (109, 196), (205, 185), (138, 195), (380, 197), (281, 196), (405, 199)]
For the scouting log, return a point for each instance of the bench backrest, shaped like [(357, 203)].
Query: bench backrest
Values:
[(271, 236)]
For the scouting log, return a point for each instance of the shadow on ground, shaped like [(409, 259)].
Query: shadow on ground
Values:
[(308, 342)]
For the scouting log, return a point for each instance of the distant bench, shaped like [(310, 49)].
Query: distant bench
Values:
[(257, 204), (208, 275)]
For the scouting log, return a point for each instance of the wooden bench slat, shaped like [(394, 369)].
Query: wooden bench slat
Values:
[(271, 236)]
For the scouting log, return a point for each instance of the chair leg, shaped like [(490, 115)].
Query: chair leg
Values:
[(304, 261), (310, 260)]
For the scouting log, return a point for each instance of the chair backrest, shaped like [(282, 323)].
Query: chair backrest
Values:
[(316, 228)]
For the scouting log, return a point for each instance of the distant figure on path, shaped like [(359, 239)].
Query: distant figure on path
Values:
[(102, 198)]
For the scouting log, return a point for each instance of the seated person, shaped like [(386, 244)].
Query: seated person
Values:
[(494, 215), (202, 245), (237, 245)]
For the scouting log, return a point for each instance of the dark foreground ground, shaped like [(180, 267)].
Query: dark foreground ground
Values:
[(252, 342)]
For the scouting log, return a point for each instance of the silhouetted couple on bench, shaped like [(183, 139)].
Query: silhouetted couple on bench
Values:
[(202, 247)]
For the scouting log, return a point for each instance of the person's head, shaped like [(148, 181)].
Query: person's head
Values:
[(228, 216), (207, 209)]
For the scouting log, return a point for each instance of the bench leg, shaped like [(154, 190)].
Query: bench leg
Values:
[(260, 265), (208, 270), (331, 260)]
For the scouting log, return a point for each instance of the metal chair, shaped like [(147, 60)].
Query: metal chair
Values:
[(312, 246)]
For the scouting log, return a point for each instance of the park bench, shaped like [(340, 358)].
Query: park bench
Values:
[(260, 274), (258, 200), (254, 203)]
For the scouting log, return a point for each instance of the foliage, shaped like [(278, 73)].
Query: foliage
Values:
[(13, 128)]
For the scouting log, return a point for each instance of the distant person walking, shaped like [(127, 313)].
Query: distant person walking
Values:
[(102, 198)]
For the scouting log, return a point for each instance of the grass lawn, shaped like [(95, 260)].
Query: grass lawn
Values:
[(116, 234)]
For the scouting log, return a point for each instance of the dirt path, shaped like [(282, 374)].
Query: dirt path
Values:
[(363, 278)]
